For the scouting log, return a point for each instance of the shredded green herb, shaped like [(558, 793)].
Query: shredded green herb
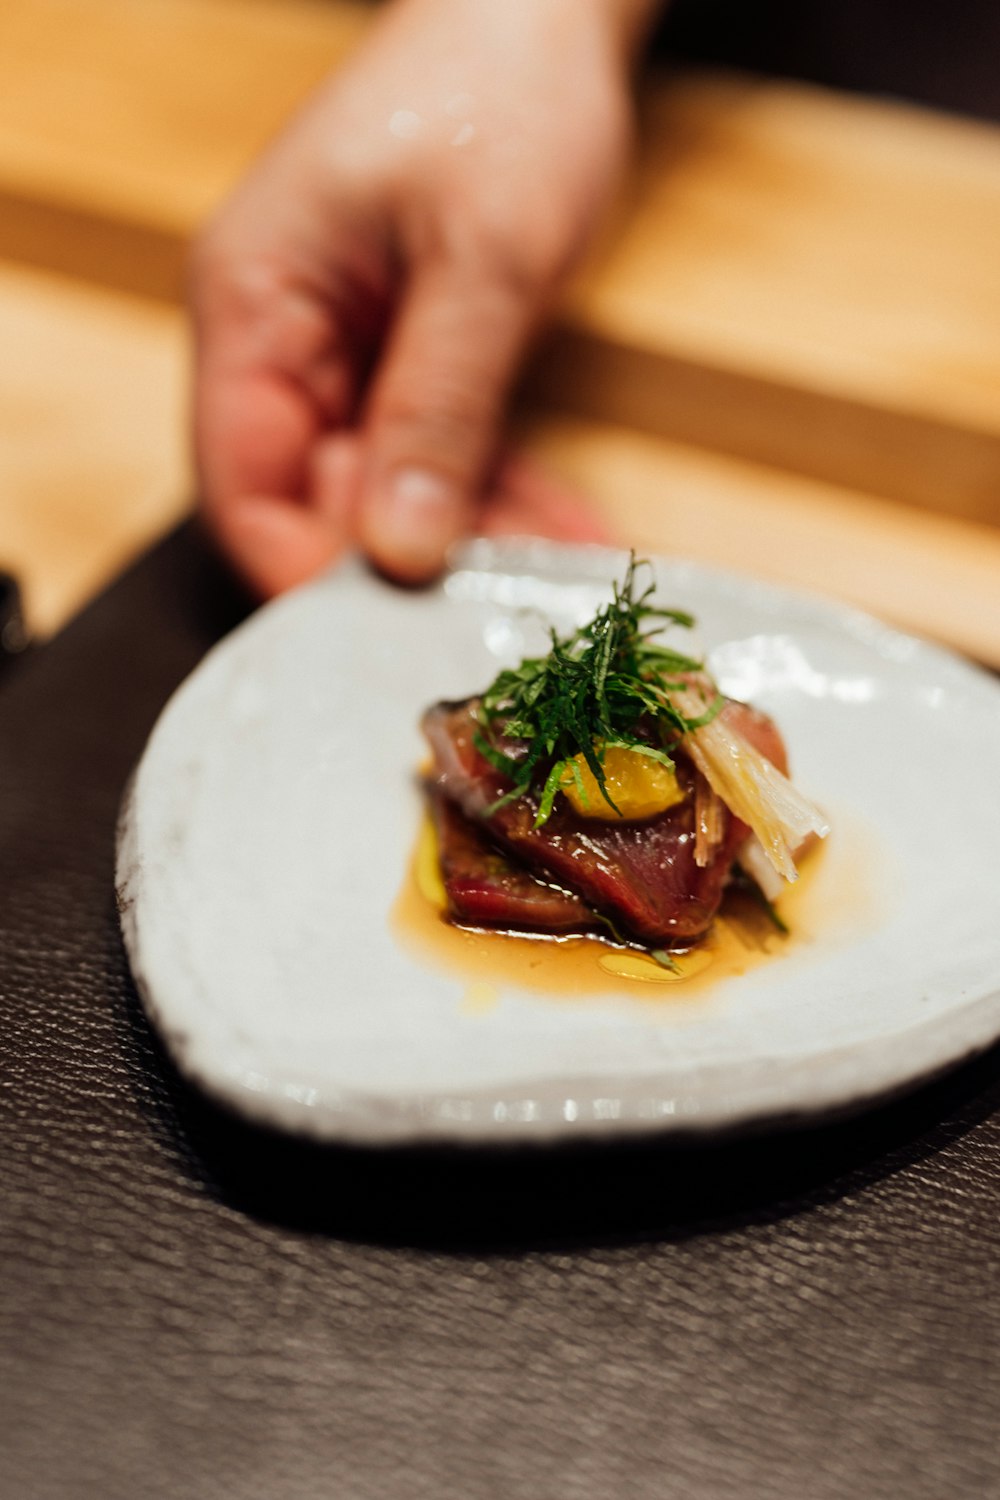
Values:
[(595, 690), (742, 881), (665, 959), (661, 956)]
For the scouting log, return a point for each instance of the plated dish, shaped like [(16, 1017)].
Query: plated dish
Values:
[(266, 874), (607, 788)]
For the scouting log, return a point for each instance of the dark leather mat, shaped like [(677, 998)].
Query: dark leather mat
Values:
[(191, 1308)]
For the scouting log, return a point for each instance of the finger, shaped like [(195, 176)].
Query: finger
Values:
[(269, 377), (336, 480), (273, 365), (434, 413), (526, 500), (256, 435), (276, 544), (254, 432)]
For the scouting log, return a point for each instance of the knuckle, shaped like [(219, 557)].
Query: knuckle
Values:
[(526, 268), (230, 285), (445, 417), (515, 246)]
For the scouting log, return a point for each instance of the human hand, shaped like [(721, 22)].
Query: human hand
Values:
[(364, 300)]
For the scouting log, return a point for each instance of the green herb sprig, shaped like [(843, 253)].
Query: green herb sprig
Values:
[(592, 692)]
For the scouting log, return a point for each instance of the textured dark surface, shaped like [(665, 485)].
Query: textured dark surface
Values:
[(193, 1309)]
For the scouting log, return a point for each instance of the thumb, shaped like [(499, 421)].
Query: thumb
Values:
[(435, 410)]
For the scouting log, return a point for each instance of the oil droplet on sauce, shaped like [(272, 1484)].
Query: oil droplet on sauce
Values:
[(642, 969), (834, 893)]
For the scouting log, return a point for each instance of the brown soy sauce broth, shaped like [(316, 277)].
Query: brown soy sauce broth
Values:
[(829, 895)]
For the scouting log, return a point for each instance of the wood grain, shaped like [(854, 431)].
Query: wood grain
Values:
[(805, 280), (95, 399), (934, 575), (92, 467), (793, 277), (123, 123), (784, 357)]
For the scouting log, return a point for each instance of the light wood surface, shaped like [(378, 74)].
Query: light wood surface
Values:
[(92, 457), (809, 281), (95, 396), (785, 356), (151, 108), (124, 122), (799, 278), (930, 574)]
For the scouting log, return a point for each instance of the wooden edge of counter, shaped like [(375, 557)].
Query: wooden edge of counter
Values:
[(936, 576), (683, 330)]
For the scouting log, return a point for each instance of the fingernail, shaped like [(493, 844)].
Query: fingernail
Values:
[(419, 514)]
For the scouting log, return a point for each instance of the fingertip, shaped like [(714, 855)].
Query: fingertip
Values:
[(407, 522)]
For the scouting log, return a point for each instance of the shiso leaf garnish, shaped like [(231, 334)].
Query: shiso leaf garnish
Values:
[(595, 689), (612, 682)]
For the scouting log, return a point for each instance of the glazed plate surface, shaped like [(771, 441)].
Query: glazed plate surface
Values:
[(267, 840)]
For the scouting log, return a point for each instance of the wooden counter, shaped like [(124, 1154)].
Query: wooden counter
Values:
[(785, 357), (93, 457)]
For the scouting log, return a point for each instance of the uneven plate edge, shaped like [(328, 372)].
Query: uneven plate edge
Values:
[(513, 1119), (510, 1116)]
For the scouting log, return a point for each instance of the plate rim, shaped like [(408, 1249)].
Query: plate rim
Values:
[(510, 1115)]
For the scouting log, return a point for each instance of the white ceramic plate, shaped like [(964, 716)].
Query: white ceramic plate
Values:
[(270, 827)]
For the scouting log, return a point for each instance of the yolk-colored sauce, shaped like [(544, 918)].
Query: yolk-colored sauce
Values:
[(742, 938)]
